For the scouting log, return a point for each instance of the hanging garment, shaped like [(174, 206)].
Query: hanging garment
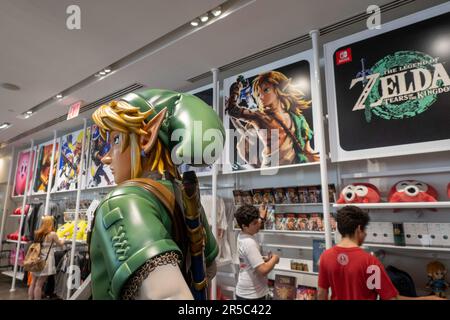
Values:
[(224, 255), (31, 220)]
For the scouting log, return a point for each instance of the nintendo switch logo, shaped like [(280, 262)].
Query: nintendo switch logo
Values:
[(344, 56)]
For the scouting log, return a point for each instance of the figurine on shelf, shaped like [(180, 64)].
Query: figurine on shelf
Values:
[(150, 237), (359, 193), (436, 273), (412, 191)]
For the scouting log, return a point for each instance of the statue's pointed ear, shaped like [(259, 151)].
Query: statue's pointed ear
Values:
[(152, 127)]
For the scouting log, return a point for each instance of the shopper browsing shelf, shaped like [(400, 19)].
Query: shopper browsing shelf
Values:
[(47, 236), (253, 267), (351, 272)]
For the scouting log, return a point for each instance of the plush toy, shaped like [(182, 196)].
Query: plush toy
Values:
[(359, 193), (81, 230), (66, 230), (412, 191), (436, 274), (18, 210), (448, 190)]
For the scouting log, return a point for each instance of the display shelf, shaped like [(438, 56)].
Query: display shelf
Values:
[(308, 234), (304, 278), (16, 241), (19, 274), (286, 246), (399, 205), (16, 216), (416, 248), (291, 204), (394, 173), (300, 165)]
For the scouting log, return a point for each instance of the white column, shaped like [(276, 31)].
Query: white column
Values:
[(77, 208), (7, 195), (25, 195), (50, 179), (318, 112), (215, 73)]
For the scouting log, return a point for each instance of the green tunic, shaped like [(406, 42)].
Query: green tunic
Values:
[(303, 133), (132, 226)]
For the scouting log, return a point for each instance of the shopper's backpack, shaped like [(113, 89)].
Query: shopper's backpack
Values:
[(33, 261), (402, 281)]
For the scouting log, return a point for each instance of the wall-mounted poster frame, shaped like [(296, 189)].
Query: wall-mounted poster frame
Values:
[(42, 168), (298, 69), (380, 92), (20, 171), (206, 94)]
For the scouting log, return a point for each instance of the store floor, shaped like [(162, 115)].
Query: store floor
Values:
[(5, 285)]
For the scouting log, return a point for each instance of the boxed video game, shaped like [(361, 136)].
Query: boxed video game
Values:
[(314, 193), (332, 193), (237, 195), (247, 197), (302, 222), (279, 221), (316, 222), (291, 221), (285, 287), (292, 195), (270, 219), (257, 196), (268, 196), (303, 195), (280, 195), (306, 293)]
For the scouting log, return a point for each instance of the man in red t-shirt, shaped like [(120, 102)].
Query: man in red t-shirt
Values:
[(351, 272)]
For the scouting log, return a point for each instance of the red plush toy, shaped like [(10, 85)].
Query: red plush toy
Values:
[(412, 191), (448, 190), (359, 193), (18, 210)]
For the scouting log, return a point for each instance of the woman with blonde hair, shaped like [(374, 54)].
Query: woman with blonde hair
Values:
[(46, 235)]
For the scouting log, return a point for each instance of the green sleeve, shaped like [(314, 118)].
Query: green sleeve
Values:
[(131, 227)]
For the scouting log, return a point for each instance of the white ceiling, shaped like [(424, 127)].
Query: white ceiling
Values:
[(40, 55)]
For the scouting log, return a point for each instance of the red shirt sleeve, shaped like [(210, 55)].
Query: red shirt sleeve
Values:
[(324, 282), (387, 289)]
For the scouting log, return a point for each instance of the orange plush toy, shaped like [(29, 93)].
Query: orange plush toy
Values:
[(359, 193), (412, 191)]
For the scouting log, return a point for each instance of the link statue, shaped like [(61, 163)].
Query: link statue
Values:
[(150, 237)]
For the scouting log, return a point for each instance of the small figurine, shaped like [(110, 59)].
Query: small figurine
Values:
[(436, 273)]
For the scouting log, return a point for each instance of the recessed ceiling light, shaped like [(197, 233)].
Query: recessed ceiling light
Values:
[(217, 12), (107, 70), (204, 18), (29, 112), (5, 125), (194, 23), (59, 96), (10, 86), (102, 73)]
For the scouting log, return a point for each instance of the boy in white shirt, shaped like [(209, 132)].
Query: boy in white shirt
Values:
[(253, 267)]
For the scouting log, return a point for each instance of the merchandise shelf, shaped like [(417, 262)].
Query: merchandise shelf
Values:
[(418, 248), (19, 274), (303, 278), (16, 216), (311, 164), (277, 245), (306, 234), (393, 173), (399, 205), (291, 204), (16, 241)]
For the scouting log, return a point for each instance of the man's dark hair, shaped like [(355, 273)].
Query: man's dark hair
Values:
[(246, 214), (349, 218)]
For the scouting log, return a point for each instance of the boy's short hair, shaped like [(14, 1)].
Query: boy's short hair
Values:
[(246, 214), (349, 218)]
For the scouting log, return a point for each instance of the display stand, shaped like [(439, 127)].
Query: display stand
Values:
[(77, 209), (22, 215)]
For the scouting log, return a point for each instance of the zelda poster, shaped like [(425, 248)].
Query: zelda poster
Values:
[(269, 116), (389, 90), (99, 174)]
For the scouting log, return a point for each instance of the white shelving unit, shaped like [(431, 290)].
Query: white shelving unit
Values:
[(19, 274), (415, 248), (308, 279), (286, 246), (400, 205), (16, 241)]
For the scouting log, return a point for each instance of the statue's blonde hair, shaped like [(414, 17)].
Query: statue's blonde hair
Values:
[(130, 122)]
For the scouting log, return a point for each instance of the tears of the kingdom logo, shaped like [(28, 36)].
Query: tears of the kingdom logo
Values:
[(401, 85)]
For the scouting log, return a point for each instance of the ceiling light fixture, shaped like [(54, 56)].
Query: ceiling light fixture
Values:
[(204, 18), (5, 125), (29, 112), (217, 12), (102, 73), (59, 96), (194, 23), (107, 70)]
